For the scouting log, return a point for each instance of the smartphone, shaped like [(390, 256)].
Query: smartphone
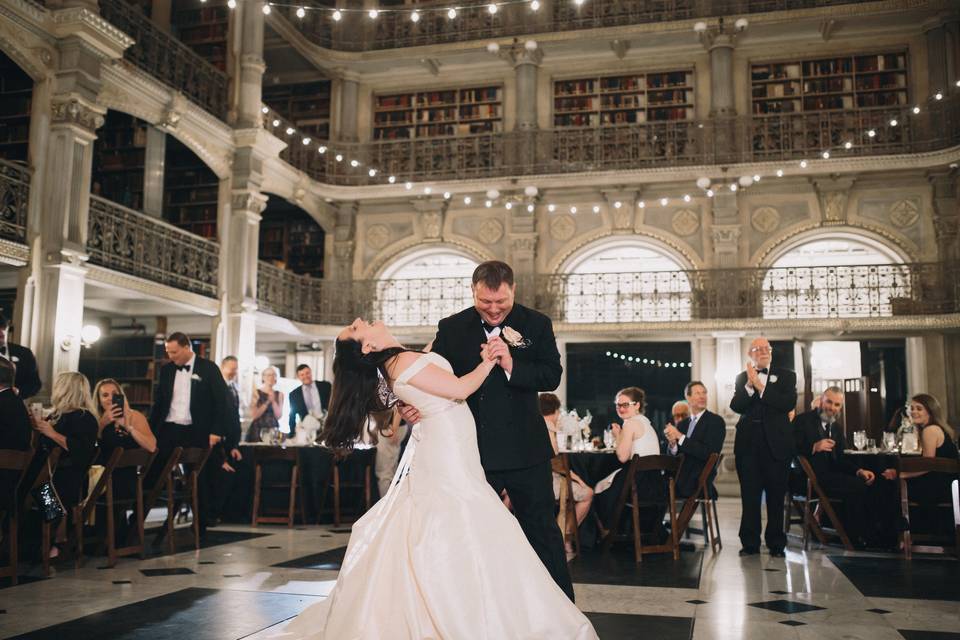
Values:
[(118, 401)]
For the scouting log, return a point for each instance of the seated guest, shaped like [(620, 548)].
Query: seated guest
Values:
[(696, 437), (582, 494), (389, 435), (121, 427), (27, 382), (937, 440), (818, 436), (267, 407), (15, 428), (636, 437), (72, 427), (310, 398), (680, 411)]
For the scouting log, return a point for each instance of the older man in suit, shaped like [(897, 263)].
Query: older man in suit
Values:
[(696, 437), (763, 396)]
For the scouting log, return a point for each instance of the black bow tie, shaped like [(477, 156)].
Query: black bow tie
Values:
[(490, 327), (183, 367), (764, 370)]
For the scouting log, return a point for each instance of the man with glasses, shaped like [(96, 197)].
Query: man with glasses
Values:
[(763, 447)]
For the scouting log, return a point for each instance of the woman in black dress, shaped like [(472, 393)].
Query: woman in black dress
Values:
[(267, 407), (72, 427)]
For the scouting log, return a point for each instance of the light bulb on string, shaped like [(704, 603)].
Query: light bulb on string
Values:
[(408, 185), (373, 13), (642, 204), (530, 208), (338, 158), (573, 209), (354, 163), (467, 200), (733, 187), (488, 204), (301, 12), (305, 141), (265, 110), (710, 193), (938, 95), (535, 5), (392, 179), (686, 197), (509, 206), (871, 133), (372, 173), (232, 4), (492, 8), (452, 13), (276, 123), (415, 16), (322, 149), (663, 202), (290, 131), (427, 190), (894, 122), (803, 164), (848, 145), (266, 9), (916, 110), (446, 195), (825, 155), (337, 16), (551, 208), (779, 173), (596, 209), (617, 204)]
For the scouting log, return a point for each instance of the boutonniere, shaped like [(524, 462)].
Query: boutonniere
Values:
[(14, 359), (513, 338), (773, 378), (196, 377)]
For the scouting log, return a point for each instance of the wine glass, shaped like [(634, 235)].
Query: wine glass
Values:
[(889, 441), (859, 440)]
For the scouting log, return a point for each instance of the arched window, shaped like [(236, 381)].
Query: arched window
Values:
[(625, 280), (839, 276), (425, 286)]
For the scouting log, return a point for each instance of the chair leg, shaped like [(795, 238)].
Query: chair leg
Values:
[(257, 478), (112, 529), (195, 505), (367, 492), (637, 542), (336, 495), (13, 546), (171, 514), (716, 524), (78, 536), (292, 507), (141, 537)]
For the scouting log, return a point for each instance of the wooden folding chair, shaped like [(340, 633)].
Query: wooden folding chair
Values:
[(668, 464), (338, 459), (288, 454), (817, 497), (946, 466), (103, 495), (710, 521), (193, 459), (18, 462), (47, 470), (567, 516)]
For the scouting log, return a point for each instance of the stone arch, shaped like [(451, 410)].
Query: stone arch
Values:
[(402, 249), (884, 242), (684, 256)]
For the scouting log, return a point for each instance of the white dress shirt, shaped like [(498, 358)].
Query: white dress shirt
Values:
[(694, 421), (311, 398), (491, 333), (180, 402), (763, 380)]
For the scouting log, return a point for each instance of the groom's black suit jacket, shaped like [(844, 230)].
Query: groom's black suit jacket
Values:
[(510, 430), (211, 409)]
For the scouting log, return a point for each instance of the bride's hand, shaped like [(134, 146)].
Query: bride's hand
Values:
[(486, 354)]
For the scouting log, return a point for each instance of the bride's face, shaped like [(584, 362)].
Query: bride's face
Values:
[(372, 337)]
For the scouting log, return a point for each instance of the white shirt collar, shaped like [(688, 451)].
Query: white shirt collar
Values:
[(697, 416)]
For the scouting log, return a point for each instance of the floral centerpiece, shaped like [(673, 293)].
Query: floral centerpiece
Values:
[(573, 429)]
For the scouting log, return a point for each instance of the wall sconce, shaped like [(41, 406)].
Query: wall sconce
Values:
[(88, 336)]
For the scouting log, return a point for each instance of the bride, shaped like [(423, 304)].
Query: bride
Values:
[(438, 556)]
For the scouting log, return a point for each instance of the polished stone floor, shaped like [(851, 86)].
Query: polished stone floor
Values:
[(246, 580)]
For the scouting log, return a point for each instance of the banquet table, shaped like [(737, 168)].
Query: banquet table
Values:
[(592, 465)]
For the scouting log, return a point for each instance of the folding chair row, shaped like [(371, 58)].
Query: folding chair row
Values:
[(15, 463)]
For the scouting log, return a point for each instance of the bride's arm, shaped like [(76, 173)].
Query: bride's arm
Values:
[(441, 382)]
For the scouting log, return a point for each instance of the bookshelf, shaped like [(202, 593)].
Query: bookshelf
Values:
[(190, 191), (629, 99), (133, 361), (204, 27), (306, 105), (291, 239), (431, 114), (821, 84), (118, 160), (16, 95)]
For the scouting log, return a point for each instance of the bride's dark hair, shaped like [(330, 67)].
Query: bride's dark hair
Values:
[(359, 389)]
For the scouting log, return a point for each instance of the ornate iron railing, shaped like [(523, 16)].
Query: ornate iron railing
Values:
[(869, 291), (167, 59), (14, 197), (394, 30), (131, 242), (781, 137)]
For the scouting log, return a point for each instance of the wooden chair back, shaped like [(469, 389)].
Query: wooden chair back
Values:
[(816, 495), (567, 515), (261, 455), (700, 498), (950, 468), (17, 462)]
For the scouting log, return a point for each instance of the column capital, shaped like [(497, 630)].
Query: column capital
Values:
[(518, 53), (249, 201), (715, 39), (72, 110)]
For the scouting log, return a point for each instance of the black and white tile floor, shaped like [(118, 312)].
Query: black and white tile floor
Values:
[(244, 582)]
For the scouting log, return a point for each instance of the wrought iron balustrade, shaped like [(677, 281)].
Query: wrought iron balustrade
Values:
[(131, 242), (14, 198), (395, 29), (745, 139), (776, 293), (167, 59)]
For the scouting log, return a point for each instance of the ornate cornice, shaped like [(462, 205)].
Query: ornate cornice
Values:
[(108, 40), (201, 304), (73, 111), (14, 253)]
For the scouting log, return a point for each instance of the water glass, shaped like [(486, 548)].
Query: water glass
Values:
[(36, 410), (859, 440), (889, 441), (871, 445)]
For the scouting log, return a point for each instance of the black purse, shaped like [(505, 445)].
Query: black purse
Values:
[(47, 499)]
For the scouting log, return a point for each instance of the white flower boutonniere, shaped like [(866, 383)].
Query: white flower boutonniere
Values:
[(196, 377), (773, 379), (14, 359), (513, 338)]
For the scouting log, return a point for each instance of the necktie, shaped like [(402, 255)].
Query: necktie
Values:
[(693, 423), (235, 394)]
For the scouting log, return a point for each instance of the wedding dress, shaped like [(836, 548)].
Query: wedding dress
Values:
[(440, 556)]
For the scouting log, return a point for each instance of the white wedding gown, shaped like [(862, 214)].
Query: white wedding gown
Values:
[(440, 556)]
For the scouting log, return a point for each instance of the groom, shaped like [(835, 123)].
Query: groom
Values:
[(514, 445)]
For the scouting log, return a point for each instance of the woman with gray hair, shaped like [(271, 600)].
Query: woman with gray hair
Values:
[(73, 427)]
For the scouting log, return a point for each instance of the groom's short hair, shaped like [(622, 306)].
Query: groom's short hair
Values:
[(492, 274)]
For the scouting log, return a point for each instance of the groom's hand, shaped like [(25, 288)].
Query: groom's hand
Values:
[(409, 413), (500, 350)]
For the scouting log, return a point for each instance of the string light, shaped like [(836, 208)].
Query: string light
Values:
[(337, 15), (467, 200), (232, 4), (415, 16), (492, 8), (290, 131), (452, 13), (354, 163), (373, 13), (408, 185), (535, 5), (301, 12), (266, 9)]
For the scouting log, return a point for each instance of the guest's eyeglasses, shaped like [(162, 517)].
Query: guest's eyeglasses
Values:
[(623, 405), (761, 350), (680, 416)]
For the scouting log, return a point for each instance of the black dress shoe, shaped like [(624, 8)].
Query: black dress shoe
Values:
[(749, 551), (777, 553)]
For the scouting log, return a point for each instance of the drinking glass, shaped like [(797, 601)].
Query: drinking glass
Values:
[(859, 440), (36, 410), (889, 441), (871, 444)]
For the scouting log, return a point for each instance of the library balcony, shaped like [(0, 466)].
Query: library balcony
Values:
[(14, 198), (167, 59), (394, 30), (878, 296), (139, 245), (774, 137)]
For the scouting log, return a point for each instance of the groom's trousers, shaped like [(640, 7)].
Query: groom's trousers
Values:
[(531, 493)]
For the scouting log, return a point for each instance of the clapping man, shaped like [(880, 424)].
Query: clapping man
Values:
[(763, 397), (819, 437)]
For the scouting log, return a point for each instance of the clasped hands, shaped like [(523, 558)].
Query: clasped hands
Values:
[(496, 349), (672, 434), (753, 377)]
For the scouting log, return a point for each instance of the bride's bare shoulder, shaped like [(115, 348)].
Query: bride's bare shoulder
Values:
[(399, 363)]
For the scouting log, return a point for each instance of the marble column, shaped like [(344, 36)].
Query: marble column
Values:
[(344, 241), (525, 58), (154, 160), (349, 104), (729, 358), (936, 37), (251, 68), (723, 110)]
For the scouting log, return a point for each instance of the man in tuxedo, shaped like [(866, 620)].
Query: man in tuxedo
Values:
[(763, 397), (696, 437), (27, 382), (515, 447), (311, 397), (227, 455), (191, 408), (819, 438)]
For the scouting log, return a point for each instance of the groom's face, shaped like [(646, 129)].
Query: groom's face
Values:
[(493, 305)]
